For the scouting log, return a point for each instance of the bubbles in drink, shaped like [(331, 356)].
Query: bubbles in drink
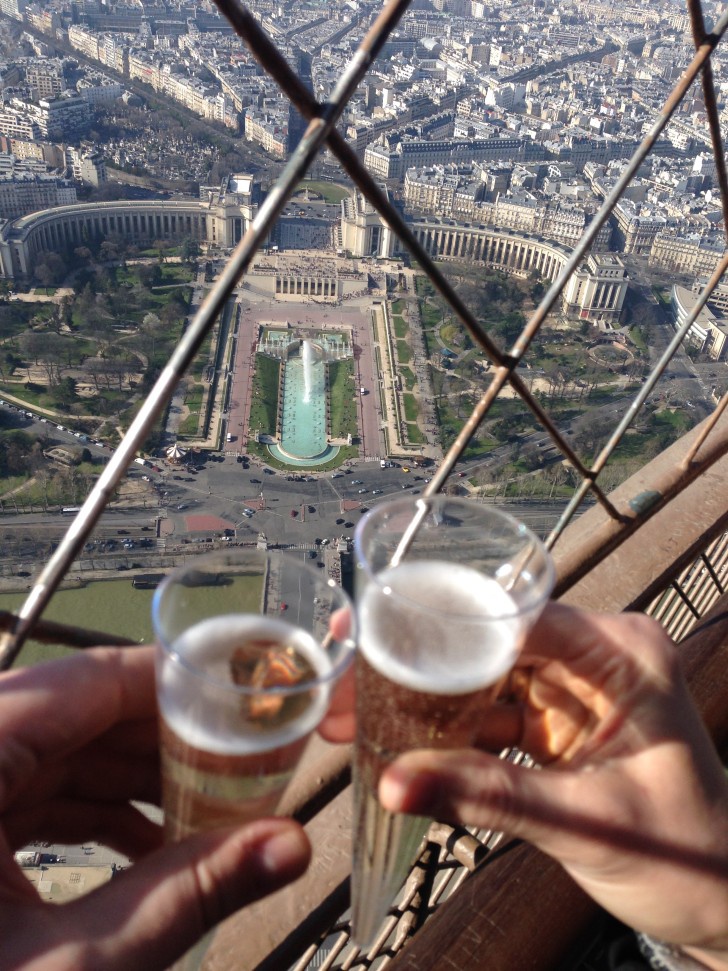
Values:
[(210, 711), (237, 706), (439, 627)]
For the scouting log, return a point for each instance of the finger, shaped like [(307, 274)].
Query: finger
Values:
[(133, 737), (154, 912), (502, 726), (92, 776), (56, 707), (341, 624), (338, 724), (78, 697), (121, 827), (478, 789), (575, 637)]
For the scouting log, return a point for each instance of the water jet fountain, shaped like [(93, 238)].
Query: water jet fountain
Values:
[(303, 418)]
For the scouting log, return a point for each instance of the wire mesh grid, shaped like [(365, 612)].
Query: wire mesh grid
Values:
[(321, 132), (691, 591)]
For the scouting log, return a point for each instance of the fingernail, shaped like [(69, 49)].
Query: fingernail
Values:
[(404, 790), (392, 791), (284, 852)]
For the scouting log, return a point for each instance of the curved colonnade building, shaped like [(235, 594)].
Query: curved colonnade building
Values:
[(24, 240), (596, 291)]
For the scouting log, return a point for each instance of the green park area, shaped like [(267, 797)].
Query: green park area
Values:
[(329, 191), (572, 368), (86, 361), (264, 402)]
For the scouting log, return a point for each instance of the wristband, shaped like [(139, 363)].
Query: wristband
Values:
[(667, 957)]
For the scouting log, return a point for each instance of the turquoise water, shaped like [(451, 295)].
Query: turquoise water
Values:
[(303, 429)]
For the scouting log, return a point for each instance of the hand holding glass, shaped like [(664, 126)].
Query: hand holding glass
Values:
[(442, 610)]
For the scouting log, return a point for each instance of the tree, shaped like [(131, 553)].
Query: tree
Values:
[(65, 391), (83, 254), (33, 344), (190, 250), (53, 355), (50, 270), (150, 275)]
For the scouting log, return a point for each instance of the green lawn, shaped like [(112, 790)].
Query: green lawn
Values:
[(189, 426), (404, 355), (264, 405), (401, 328), (411, 407), (194, 396), (408, 376), (637, 339), (31, 394), (331, 191), (414, 435), (342, 405), (430, 314)]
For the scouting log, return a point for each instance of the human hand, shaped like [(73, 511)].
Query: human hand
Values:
[(632, 799), (78, 740)]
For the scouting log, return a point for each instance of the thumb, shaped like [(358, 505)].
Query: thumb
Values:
[(153, 913)]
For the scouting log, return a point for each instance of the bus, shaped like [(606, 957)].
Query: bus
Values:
[(71, 510)]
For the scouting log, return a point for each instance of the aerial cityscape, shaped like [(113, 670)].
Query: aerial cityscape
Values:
[(139, 141)]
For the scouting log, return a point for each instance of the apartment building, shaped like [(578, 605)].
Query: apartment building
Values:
[(708, 332), (268, 129), (15, 123), (87, 165), (696, 255), (635, 227), (21, 194), (45, 77)]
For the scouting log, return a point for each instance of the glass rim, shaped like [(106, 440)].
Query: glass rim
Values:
[(541, 590), (241, 690)]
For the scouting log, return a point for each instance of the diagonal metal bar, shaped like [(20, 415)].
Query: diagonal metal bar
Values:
[(553, 293), (711, 570), (270, 58), (307, 149), (719, 409), (640, 399), (695, 10)]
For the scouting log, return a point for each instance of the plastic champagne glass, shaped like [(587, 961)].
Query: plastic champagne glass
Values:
[(246, 665), (442, 612)]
